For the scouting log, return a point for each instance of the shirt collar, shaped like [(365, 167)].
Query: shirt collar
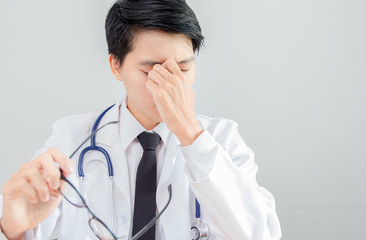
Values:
[(130, 128)]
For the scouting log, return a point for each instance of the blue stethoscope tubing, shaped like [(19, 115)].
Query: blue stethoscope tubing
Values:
[(94, 147), (199, 230), (198, 209)]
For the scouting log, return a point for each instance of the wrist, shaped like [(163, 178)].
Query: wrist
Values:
[(189, 133), (10, 235)]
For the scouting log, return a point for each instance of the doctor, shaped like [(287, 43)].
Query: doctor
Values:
[(151, 45)]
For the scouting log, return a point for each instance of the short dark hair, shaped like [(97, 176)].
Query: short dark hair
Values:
[(126, 17)]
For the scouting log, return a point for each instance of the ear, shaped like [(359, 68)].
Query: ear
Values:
[(115, 67)]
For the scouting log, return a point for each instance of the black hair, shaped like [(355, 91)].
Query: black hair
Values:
[(127, 17)]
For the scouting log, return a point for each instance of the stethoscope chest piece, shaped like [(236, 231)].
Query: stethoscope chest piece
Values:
[(199, 231)]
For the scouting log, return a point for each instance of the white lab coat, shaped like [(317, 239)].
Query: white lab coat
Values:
[(218, 169)]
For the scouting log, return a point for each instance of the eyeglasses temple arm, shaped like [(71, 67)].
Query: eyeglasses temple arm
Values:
[(152, 222), (91, 135)]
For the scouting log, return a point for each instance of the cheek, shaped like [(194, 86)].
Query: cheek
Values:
[(190, 77), (135, 83)]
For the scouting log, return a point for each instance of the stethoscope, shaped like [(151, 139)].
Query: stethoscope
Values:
[(199, 230), (94, 147)]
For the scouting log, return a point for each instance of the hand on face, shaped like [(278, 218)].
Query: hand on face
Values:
[(174, 98)]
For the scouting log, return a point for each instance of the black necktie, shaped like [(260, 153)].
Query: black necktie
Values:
[(145, 192)]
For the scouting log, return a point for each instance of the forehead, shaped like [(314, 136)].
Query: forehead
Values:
[(158, 46)]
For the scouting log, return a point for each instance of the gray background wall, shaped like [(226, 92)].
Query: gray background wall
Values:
[(291, 73)]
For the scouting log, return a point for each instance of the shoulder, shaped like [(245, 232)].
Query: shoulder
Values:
[(75, 126), (69, 131), (77, 121)]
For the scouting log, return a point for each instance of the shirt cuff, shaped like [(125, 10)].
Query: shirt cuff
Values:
[(198, 165)]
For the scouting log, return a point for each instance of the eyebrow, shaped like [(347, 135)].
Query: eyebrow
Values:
[(152, 63)]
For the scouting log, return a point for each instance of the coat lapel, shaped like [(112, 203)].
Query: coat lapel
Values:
[(173, 173), (110, 137)]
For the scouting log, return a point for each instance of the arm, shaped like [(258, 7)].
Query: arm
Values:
[(223, 178), (222, 169)]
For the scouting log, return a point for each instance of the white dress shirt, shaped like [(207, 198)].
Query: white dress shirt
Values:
[(218, 169), (130, 128)]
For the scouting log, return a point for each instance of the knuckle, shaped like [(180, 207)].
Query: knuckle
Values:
[(52, 149), (19, 185), (33, 171), (15, 177), (47, 155), (32, 197), (22, 183), (29, 171), (156, 66), (161, 93), (171, 89), (6, 188), (151, 76), (55, 176), (42, 188), (175, 81), (52, 154), (41, 158), (67, 161), (23, 167)]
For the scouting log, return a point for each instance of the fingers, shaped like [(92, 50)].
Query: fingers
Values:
[(156, 77), (50, 171), (171, 65), (66, 165), (40, 178), (37, 182), (18, 185), (161, 76), (28, 191), (162, 71), (152, 87), (28, 183)]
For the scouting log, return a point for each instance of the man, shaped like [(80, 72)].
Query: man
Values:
[(151, 45)]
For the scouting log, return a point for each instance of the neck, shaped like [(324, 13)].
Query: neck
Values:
[(147, 123)]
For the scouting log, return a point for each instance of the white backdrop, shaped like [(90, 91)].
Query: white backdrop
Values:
[(291, 73)]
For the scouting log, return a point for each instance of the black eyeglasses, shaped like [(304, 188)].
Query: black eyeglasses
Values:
[(100, 229)]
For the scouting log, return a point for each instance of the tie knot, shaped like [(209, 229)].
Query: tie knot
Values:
[(149, 141)]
